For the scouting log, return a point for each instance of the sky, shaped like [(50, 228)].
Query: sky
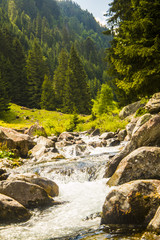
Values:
[(97, 7)]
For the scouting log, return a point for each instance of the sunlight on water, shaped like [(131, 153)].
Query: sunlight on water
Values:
[(82, 193), (82, 200)]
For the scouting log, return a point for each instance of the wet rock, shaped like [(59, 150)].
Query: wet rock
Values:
[(150, 236), (45, 142), (130, 109), (12, 211), (142, 120), (107, 135), (143, 163), (153, 105), (147, 135), (48, 185), (15, 140), (114, 142), (36, 129), (96, 132), (121, 135), (95, 144), (2, 171), (4, 176), (129, 128), (154, 224), (65, 136), (29, 195), (134, 203)]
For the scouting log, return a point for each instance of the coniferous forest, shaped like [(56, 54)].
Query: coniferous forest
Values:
[(55, 56), (51, 55)]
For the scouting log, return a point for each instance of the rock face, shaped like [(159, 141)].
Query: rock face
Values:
[(134, 203), (143, 163), (153, 105), (27, 194), (130, 109), (147, 135), (15, 140), (154, 224), (12, 211)]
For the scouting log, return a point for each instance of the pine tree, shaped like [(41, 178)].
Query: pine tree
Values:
[(36, 70), (77, 94), (47, 97)]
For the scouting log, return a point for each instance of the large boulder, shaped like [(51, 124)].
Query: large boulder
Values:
[(12, 211), (153, 105), (48, 143), (130, 109), (142, 163), (66, 136), (48, 185), (134, 203), (29, 195), (150, 236), (147, 135), (154, 224), (15, 140), (36, 129), (107, 135)]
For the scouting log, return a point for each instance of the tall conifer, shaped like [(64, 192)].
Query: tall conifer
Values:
[(36, 70), (77, 94)]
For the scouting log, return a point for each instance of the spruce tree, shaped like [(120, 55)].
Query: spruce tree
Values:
[(47, 97), (4, 100), (19, 84), (77, 94), (60, 78), (134, 55), (36, 70)]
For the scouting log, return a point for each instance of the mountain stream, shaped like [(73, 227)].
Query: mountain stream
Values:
[(82, 193)]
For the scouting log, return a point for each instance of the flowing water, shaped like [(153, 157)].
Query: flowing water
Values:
[(82, 193)]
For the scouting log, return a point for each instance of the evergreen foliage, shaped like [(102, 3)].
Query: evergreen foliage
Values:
[(47, 96), (77, 94), (60, 78), (4, 100), (35, 40), (104, 101), (135, 53), (36, 70)]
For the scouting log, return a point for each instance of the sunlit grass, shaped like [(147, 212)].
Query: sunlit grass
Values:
[(55, 122)]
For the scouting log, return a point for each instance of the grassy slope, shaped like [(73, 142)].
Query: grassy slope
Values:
[(56, 122)]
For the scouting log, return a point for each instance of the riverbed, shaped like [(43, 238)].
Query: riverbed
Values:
[(82, 193)]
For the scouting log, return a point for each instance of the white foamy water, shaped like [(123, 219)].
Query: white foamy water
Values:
[(81, 200), (82, 192)]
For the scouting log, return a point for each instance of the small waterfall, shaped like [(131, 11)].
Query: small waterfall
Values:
[(82, 192)]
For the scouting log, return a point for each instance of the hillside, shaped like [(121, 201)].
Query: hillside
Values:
[(33, 36)]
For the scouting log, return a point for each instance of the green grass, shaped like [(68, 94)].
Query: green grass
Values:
[(56, 122)]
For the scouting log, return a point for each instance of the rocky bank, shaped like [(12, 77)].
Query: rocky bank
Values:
[(133, 173)]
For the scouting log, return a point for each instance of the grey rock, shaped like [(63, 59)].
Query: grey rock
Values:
[(142, 163), (134, 203), (12, 211)]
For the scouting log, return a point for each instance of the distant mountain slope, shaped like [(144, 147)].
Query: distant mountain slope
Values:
[(55, 26)]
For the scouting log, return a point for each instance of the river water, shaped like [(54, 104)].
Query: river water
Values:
[(82, 193)]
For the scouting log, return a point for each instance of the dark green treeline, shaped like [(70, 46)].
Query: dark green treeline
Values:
[(51, 55)]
